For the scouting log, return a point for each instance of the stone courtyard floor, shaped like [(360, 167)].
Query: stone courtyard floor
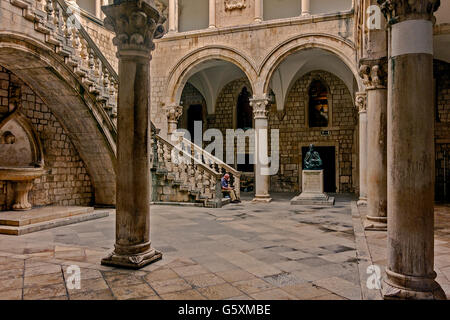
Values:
[(241, 251)]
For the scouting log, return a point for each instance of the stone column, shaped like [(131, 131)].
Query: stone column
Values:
[(410, 270), (98, 10), (173, 15), (212, 13), (374, 74), (262, 179), (259, 10), (173, 113), (136, 24), (362, 104), (306, 7)]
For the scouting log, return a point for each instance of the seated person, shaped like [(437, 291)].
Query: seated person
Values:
[(227, 189)]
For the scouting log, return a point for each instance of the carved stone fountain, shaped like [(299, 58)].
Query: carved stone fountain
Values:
[(21, 157)]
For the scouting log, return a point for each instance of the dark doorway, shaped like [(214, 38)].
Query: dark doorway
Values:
[(194, 113), (328, 156)]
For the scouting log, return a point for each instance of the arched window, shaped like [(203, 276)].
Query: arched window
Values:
[(244, 115), (244, 110), (318, 105)]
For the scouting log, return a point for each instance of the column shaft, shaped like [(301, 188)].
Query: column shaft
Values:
[(212, 13), (361, 103), (259, 10), (376, 159), (133, 248), (173, 15), (306, 7), (410, 270), (262, 178)]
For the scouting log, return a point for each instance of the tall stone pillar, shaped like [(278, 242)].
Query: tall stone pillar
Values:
[(262, 177), (361, 103), (136, 24), (410, 270), (173, 15), (259, 10), (212, 13), (306, 7), (374, 75), (173, 113)]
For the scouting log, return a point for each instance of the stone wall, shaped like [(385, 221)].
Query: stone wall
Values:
[(225, 107), (295, 133), (442, 129), (67, 181)]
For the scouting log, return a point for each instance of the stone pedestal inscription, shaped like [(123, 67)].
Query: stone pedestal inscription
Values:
[(312, 190)]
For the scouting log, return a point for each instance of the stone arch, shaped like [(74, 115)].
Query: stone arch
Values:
[(186, 67), (342, 48), (70, 102)]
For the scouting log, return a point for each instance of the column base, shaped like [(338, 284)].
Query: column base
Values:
[(362, 202), (402, 287), (135, 261), (375, 223), (264, 199)]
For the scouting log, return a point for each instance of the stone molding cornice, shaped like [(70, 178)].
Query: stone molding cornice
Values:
[(259, 105), (401, 10), (173, 113), (136, 24), (361, 102), (373, 73)]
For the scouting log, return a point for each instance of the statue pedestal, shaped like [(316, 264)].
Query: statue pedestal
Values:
[(312, 190)]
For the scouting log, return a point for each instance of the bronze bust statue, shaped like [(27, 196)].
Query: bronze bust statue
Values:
[(312, 159)]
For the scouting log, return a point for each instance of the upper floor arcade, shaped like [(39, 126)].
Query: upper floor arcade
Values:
[(191, 15)]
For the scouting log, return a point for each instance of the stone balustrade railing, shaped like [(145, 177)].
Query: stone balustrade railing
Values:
[(212, 162), (187, 171), (63, 30)]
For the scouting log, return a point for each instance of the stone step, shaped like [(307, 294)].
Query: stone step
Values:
[(42, 214), (63, 219), (181, 204)]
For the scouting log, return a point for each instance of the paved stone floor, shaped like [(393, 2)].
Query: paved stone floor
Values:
[(376, 242), (242, 251)]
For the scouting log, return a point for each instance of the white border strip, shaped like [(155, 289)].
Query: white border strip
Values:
[(412, 36)]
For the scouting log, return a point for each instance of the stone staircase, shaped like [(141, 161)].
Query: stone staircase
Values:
[(62, 31), (193, 181), (187, 175)]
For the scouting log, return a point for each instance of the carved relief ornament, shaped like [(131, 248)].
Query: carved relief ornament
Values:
[(361, 101), (135, 24), (235, 4), (259, 105), (400, 10), (373, 73), (173, 112)]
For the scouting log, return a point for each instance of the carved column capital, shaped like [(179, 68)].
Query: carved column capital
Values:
[(361, 101), (136, 24), (400, 10), (373, 73), (259, 105), (173, 113)]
